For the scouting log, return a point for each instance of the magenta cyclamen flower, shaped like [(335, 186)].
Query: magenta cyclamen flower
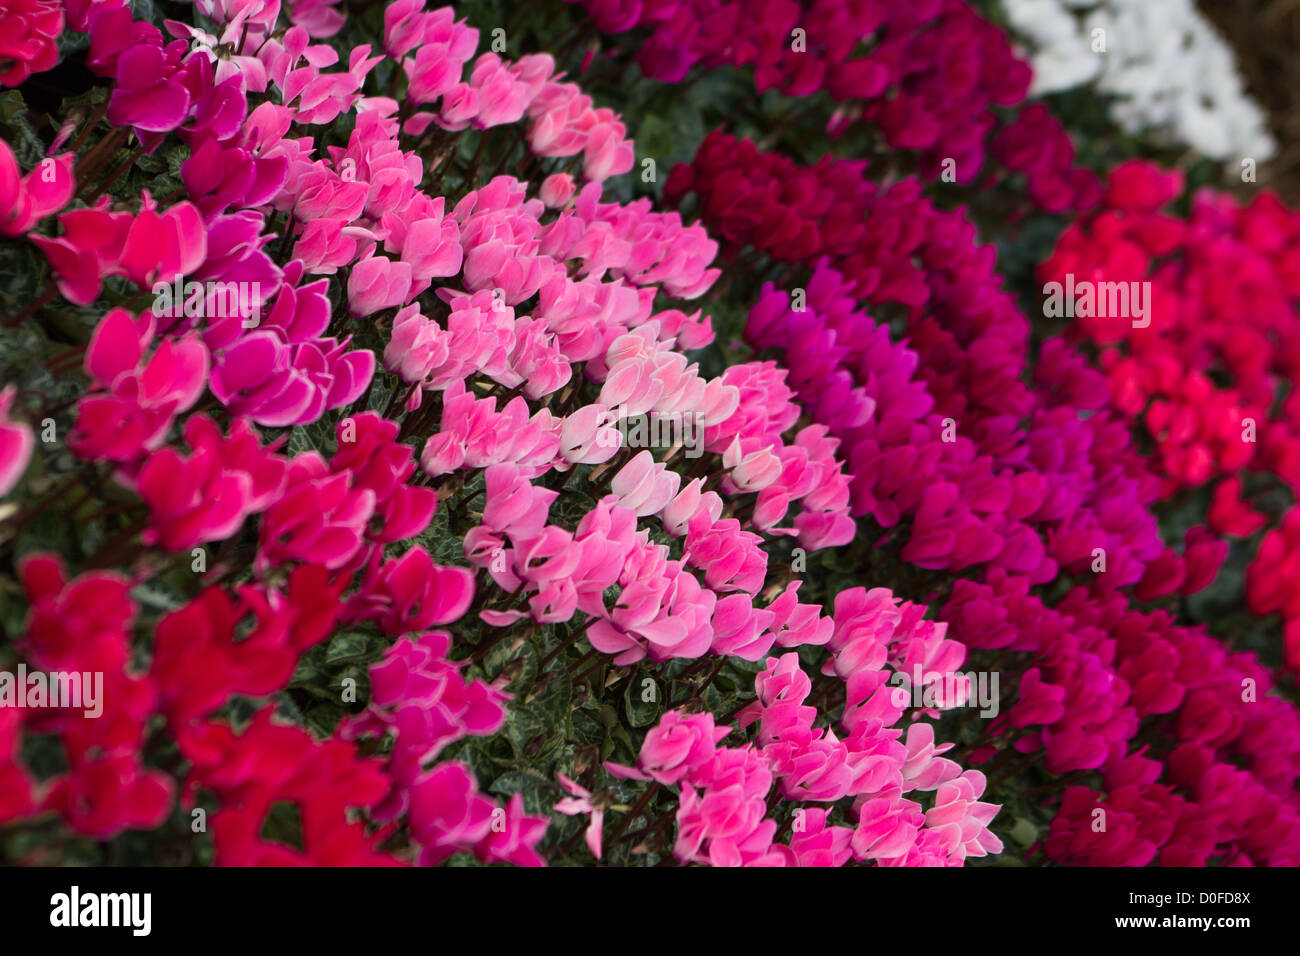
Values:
[(421, 698), (321, 517), (29, 39), (368, 449), (411, 593), (139, 396), (145, 248), (207, 495), (25, 200)]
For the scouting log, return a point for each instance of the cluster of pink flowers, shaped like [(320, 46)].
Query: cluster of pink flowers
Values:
[(327, 521), (930, 79), (323, 522), (662, 611), (421, 699), (433, 49), (722, 815)]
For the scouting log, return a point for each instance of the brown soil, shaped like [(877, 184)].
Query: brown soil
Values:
[(1265, 35)]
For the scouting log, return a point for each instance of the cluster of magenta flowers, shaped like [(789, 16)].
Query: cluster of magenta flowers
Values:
[(931, 76), (372, 540)]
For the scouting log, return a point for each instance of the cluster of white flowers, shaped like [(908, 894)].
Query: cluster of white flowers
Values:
[(1171, 72)]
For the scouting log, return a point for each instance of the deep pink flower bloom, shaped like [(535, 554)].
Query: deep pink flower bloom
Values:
[(447, 813), (422, 700), (816, 844), (514, 837), (29, 33), (148, 94), (25, 200), (140, 396), (411, 593), (321, 518), (368, 448), (146, 248), (207, 495)]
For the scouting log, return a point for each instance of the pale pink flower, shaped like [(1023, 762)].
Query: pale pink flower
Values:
[(580, 802)]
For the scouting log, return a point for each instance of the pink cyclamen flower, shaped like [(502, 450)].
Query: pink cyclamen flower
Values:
[(411, 593), (580, 802), (675, 747), (444, 47), (645, 485), (136, 398), (25, 200), (502, 97), (16, 443), (29, 37), (447, 813), (588, 436), (320, 518), (962, 819), (319, 18), (515, 840), (732, 559), (557, 189), (376, 284), (690, 501), (514, 505)]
